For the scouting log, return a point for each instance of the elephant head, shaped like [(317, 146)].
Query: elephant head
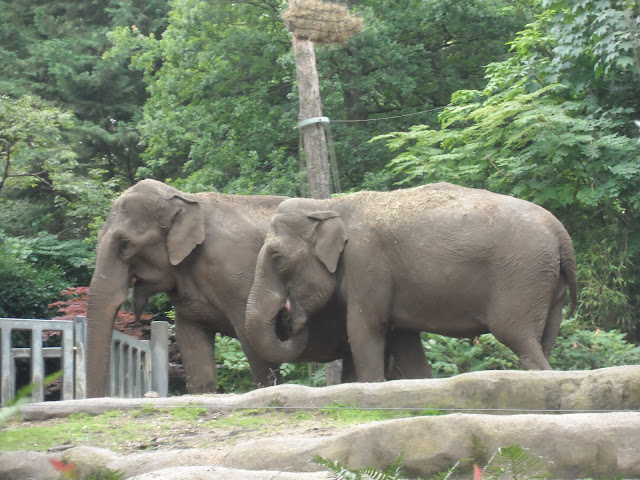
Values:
[(296, 277), (150, 229)]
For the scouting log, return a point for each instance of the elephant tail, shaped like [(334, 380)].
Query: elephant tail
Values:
[(568, 279), (568, 269)]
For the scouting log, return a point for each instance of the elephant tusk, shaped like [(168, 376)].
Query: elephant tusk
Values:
[(133, 280), (287, 305)]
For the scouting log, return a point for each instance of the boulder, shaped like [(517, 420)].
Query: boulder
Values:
[(598, 445)]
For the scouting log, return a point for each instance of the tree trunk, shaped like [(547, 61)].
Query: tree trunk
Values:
[(313, 137)]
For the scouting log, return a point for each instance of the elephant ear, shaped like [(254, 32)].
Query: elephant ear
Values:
[(186, 228), (330, 238)]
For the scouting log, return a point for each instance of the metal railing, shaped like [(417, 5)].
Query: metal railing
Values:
[(137, 366), (130, 372)]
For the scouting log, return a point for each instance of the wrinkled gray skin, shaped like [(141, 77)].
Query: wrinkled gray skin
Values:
[(201, 250), (439, 258)]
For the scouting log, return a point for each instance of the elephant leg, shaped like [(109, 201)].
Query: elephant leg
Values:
[(520, 325), (264, 373), (367, 342), (348, 369), (405, 356), (196, 343)]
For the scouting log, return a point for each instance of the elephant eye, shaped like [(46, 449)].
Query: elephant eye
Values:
[(279, 262), (124, 246)]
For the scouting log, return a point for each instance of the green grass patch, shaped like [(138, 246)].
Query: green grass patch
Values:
[(351, 414), (188, 412), (76, 429)]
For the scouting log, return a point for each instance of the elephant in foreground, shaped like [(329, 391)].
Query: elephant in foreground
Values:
[(200, 249), (439, 258)]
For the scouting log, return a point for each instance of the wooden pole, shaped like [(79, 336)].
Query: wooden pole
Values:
[(313, 136)]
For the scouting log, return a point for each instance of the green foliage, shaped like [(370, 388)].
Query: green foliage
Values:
[(38, 164), (73, 257), (608, 286), (341, 473), (26, 289), (515, 463), (222, 106), (582, 349), (233, 371), (452, 356), (33, 148), (54, 50), (577, 348)]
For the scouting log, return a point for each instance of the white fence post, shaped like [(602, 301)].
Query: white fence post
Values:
[(79, 341), (160, 358), (37, 365), (7, 369)]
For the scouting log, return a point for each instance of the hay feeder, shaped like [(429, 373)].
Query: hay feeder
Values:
[(321, 22)]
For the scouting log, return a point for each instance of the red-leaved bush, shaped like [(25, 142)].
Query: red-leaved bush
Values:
[(76, 305)]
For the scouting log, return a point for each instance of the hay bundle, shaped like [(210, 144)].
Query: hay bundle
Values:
[(321, 22)]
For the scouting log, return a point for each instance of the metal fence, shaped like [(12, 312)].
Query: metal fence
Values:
[(130, 372), (137, 366)]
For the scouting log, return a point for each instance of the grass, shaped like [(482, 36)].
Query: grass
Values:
[(350, 414), (148, 427), (108, 429)]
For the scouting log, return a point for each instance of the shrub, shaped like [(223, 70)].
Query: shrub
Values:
[(578, 348)]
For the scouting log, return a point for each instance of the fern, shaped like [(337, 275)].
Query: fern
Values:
[(512, 463), (516, 464), (339, 472)]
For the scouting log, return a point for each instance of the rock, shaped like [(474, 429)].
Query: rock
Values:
[(592, 444), (26, 465), (614, 388), (221, 473)]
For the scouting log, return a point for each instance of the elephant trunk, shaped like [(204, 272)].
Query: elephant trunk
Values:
[(108, 290), (267, 322)]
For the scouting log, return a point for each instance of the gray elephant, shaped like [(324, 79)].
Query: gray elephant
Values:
[(200, 249), (439, 258)]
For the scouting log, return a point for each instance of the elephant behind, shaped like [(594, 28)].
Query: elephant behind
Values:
[(200, 249), (438, 258)]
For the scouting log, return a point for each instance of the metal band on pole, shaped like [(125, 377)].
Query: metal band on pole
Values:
[(311, 120)]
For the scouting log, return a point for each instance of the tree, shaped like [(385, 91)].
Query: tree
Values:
[(32, 146), (54, 50)]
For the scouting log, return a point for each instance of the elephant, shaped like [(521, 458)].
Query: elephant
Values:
[(438, 258), (200, 249)]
